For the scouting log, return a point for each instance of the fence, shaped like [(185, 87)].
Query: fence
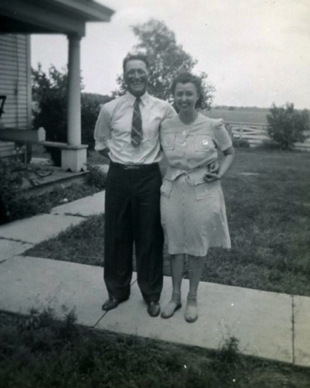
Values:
[(256, 134)]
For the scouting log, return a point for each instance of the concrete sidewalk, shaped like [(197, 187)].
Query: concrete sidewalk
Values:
[(45, 226), (269, 325)]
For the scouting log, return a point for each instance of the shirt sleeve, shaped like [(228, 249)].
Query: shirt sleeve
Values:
[(102, 129), (221, 135), (170, 111)]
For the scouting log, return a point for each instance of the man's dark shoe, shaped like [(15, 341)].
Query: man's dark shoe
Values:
[(153, 309), (112, 303)]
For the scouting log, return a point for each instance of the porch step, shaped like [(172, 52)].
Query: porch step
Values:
[(48, 183)]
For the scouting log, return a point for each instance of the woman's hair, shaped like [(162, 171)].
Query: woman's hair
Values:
[(186, 77), (140, 57)]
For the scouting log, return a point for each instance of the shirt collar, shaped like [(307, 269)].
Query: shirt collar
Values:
[(131, 98)]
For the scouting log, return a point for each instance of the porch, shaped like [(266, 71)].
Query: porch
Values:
[(49, 17)]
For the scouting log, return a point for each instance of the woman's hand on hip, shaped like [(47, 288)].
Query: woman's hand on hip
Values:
[(212, 177), (213, 167), (213, 172)]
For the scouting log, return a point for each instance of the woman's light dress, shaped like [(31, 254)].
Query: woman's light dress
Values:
[(193, 211)]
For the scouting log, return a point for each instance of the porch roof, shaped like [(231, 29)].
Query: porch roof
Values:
[(50, 16)]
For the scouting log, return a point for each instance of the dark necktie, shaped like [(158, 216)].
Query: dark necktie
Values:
[(136, 130)]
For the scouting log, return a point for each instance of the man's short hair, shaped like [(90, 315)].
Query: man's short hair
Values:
[(132, 57)]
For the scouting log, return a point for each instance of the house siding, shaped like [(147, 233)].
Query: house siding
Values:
[(15, 80)]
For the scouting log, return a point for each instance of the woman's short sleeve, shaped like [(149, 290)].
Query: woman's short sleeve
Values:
[(221, 135)]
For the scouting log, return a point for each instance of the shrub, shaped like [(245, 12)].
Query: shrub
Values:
[(240, 143), (287, 125), (12, 204), (50, 92), (96, 176), (10, 182), (268, 145), (90, 106)]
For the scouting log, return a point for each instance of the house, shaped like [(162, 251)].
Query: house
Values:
[(19, 19)]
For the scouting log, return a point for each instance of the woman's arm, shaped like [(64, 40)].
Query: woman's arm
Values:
[(229, 156), (227, 161)]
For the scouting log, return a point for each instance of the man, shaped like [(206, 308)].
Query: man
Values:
[(127, 129)]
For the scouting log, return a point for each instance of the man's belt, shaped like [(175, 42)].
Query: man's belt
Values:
[(151, 166)]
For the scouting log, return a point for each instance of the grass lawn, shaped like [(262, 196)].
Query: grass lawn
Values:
[(267, 196), (42, 352)]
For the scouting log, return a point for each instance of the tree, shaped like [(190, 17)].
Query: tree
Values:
[(49, 91), (166, 59), (287, 125)]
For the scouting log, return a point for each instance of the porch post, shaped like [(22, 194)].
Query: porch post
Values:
[(73, 158), (74, 91)]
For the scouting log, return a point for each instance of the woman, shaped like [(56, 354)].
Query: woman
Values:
[(192, 203)]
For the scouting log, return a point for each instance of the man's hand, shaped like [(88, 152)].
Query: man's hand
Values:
[(105, 153)]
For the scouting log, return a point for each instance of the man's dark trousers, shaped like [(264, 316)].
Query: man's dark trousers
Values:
[(132, 218)]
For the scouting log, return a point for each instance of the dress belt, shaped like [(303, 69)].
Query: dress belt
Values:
[(144, 167)]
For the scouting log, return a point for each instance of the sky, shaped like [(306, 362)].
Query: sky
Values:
[(255, 52)]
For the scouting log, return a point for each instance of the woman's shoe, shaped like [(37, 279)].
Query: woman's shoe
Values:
[(169, 310), (191, 312)]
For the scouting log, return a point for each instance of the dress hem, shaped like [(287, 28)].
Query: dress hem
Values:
[(198, 254)]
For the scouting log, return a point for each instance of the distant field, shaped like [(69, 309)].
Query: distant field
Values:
[(239, 116)]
